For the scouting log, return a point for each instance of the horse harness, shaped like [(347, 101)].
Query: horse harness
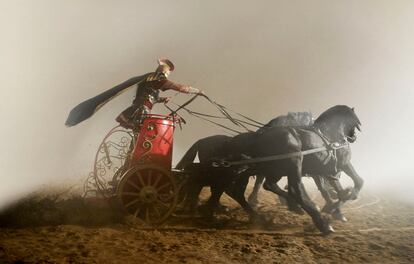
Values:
[(331, 147)]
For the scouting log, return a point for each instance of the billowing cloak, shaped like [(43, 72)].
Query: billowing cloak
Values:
[(87, 108)]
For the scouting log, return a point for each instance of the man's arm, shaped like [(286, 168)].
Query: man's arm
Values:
[(169, 85)]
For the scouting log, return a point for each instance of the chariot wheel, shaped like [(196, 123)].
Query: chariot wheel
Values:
[(110, 161), (149, 193)]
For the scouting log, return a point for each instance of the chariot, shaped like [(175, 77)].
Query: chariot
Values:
[(134, 168)]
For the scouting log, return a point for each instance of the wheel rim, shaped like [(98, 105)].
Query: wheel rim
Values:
[(149, 193)]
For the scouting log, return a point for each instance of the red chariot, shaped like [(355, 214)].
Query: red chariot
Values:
[(135, 168)]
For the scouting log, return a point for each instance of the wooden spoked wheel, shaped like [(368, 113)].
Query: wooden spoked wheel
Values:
[(149, 193)]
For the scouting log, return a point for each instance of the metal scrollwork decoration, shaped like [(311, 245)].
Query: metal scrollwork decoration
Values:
[(109, 163), (147, 144)]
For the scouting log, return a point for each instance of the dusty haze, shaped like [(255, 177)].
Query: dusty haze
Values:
[(263, 59)]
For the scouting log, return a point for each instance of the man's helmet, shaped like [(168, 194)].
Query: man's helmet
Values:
[(165, 63)]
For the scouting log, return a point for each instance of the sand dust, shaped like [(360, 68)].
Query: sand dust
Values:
[(379, 231)]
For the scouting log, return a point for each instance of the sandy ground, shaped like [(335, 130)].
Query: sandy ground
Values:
[(378, 231)]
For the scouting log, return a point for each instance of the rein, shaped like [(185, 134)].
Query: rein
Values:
[(221, 117), (330, 147), (212, 122), (223, 111), (183, 105), (245, 117), (273, 157)]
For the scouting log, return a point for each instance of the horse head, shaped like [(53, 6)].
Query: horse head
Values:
[(338, 123)]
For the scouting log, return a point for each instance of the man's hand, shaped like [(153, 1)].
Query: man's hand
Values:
[(200, 92), (192, 90), (166, 100)]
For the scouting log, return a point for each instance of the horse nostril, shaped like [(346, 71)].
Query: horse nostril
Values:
[(351, 139)]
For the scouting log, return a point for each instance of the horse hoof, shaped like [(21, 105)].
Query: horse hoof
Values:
[(329, 230), (253, 203), (341, 218), (223, 209), (349, 194)]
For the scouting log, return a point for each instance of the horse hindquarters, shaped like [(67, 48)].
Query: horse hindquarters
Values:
[(188, 157)]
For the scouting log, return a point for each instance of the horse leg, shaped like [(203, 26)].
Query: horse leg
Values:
[(237, 193), (193, 186), (191, 201), (331, 207), (358, 181), (305, 194), (272, 186), (342, 194), (322, 187), (211, 205), (253, 195), (297, 190), (218, 181)]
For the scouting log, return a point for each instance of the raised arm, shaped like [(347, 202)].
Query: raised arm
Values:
[(169, 85)]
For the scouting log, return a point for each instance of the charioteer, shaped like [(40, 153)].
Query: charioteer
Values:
[(149, 86), (148, 91)]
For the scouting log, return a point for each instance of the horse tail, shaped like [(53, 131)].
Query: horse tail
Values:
[(188, 157)]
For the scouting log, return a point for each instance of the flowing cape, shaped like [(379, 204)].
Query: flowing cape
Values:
[(87, 108)]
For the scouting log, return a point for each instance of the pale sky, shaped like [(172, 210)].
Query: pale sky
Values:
[(262, 58)]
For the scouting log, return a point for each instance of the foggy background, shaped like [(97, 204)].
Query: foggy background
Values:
[(262, 58)]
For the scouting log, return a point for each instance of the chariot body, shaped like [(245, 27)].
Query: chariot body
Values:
[(134, 168)]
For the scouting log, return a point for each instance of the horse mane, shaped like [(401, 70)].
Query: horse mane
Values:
[(291, 119)]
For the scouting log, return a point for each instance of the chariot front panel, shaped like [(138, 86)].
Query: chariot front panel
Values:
[(155, 142)]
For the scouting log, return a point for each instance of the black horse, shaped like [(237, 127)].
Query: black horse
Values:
[(210, 147), (337, 124)]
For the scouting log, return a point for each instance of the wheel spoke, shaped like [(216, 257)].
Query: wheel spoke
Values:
[(165, 196), (130, 193), (134, 185), (149, 177), (137, 211), (140, 178), (156, 210), (157, 180), (163, 204), (163, 186), (132, 202)]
